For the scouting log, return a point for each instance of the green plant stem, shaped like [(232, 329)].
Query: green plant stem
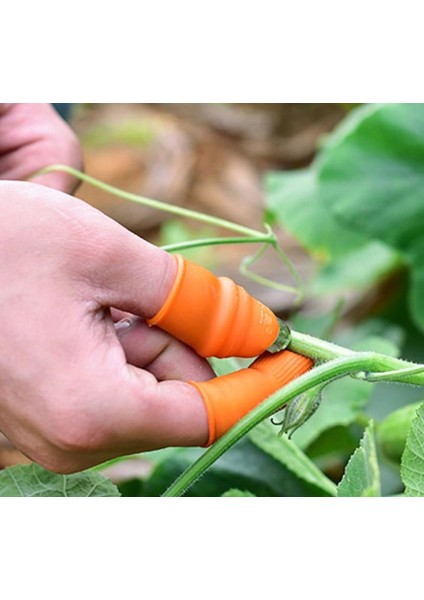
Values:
[(381, 367), (399, 374), (293, 272), (326, 372), (170, 208), (177, 247), (340, 362), (275, 285), (250, 235), (316, 348)]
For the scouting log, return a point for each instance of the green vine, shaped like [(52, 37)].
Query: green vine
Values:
[(247, 235), (340, 362)]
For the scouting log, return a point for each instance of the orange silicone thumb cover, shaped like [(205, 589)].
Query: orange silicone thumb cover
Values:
[(214, 315), (230, 397)]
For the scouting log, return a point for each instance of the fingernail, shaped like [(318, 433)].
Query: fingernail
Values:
[(124, 325)]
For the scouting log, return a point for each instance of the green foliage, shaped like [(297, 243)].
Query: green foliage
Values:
[(359, 207), (360, 269), (412, 466), (174, 231), (348, 259), (342, 404), (371, 179), (32, 480), (393, 430), (234, 493), (289, 454), (246, 466), (292, 201), (358, 210), (362, 474)]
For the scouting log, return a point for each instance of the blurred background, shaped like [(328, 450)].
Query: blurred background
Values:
[(206, 157)]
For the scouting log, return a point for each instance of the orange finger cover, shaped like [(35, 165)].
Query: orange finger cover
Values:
[(230, 397), (214, 315)]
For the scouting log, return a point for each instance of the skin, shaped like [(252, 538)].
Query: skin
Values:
[(33, 136), (82, 377)]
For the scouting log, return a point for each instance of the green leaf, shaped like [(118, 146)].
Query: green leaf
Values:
[(33, 480), (371, 179), (362, 474), (351, 260), (334, 446), (224, 366), (342, 402), (360, 269), (373, 335), (234, 493), (293, 201), (392, 432), (285, 451), (244, 466), (318, 325), (412, 464)]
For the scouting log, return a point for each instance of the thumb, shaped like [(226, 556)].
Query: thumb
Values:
[(212, 315), (127, 272)]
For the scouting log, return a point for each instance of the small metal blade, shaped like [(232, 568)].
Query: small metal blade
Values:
[(283, 339)]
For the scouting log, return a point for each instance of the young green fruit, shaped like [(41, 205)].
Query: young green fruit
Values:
[(393, 430), (299, 411)]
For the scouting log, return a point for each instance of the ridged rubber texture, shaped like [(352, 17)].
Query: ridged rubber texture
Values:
[(229, 397), (282, 367), (214, 315)]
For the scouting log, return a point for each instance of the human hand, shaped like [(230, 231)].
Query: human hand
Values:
[(33, 136), (74, 389), (77, 388)]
